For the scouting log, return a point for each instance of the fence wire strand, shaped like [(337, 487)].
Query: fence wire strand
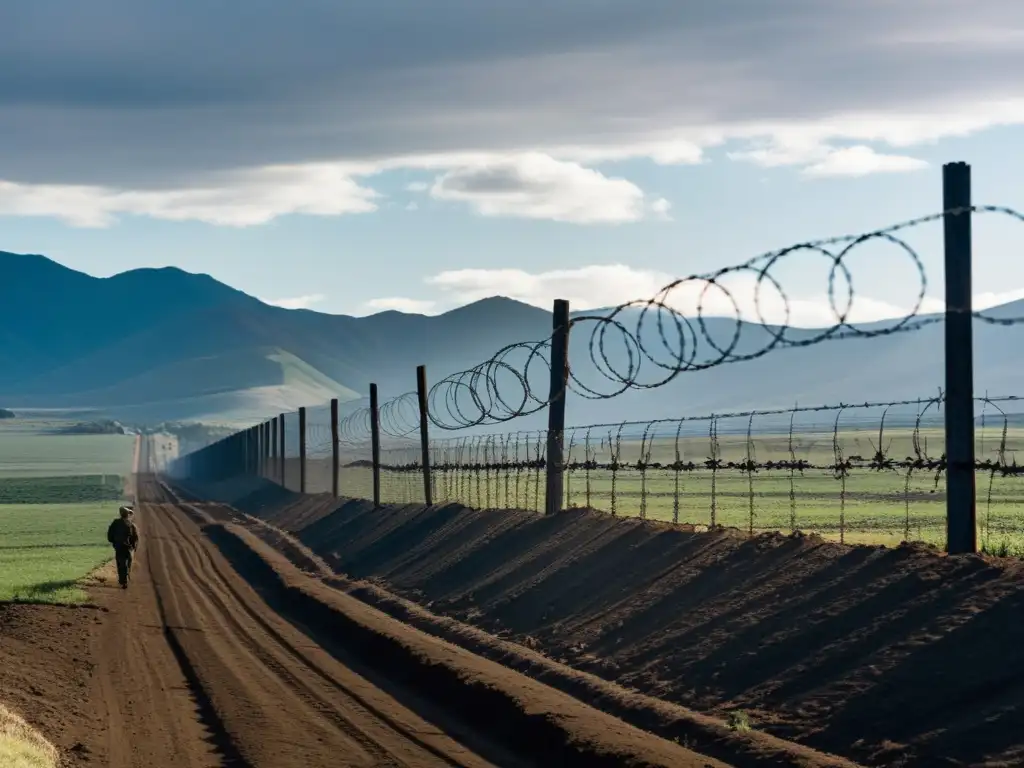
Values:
[(722, 469)]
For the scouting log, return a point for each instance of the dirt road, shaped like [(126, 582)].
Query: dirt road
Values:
[(195, 670), (191, 667)]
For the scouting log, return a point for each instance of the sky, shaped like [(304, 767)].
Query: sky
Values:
[(421, 154)]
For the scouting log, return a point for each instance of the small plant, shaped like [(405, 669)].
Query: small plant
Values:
[(739, 721), (1004, 547)]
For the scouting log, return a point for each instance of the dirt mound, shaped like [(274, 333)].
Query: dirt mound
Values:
[(551, 728), (45, 669), (715, 738), (890, 656)]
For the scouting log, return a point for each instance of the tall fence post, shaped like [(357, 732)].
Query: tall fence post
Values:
[(302, 450), (273, 448), (421, 392), (375, 445), (264, 448), (281, 448), (267, 443), (961, 522), (254, 447), (259, 449), (556, 407), (334, 447)]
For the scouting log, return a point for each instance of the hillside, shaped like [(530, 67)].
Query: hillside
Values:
[(153, 345)]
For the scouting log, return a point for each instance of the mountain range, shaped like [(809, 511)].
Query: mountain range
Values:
[(153, 345)]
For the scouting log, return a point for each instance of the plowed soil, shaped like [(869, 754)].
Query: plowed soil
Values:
[(191, 666), (893, 657)]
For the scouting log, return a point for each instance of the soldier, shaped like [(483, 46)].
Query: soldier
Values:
[(124, 537)]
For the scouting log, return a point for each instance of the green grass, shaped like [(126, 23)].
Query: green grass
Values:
[(58, 493), (46, 549), (869, 507), (63, 489), (28, 448)]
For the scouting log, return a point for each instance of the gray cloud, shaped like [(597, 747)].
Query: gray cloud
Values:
[(117, 92)]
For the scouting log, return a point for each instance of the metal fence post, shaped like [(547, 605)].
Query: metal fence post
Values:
[(961, 523), (266, 450), (421, 392), (273, 448), (302, 450), (334, 447), (375, 445), (556, 407), (261, 445), (281, 448)]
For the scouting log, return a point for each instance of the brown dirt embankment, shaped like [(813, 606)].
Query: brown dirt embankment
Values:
[(742, 748), (894, 657), (539, 722)]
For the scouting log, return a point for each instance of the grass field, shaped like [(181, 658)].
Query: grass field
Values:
[(46, 549), (30, 449), (61, 489), (867, 506), (58, 493)]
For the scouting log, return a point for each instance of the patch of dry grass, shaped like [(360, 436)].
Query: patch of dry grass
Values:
[(21, 746)]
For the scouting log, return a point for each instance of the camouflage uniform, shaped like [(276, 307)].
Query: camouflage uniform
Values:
[(124, 536)]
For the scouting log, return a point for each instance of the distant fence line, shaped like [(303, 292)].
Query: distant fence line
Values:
[(389, 442), (857, 473)]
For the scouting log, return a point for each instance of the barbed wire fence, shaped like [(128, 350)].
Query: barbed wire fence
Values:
[(381, 451)]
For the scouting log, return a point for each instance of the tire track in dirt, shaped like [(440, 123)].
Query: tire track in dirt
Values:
[(154, 708), (200, 559), (224, 748), (195, 670), (274, 709)]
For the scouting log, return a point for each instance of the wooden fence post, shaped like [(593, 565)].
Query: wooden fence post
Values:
[(421, 392), (556, 407)]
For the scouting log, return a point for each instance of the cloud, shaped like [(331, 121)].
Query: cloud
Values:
[(819, 159), (237, 199), (536, 186), (601, 286), (417, 186), (146, 115), (861, 161), (399, 304), (151, 99), (296, 302), (660, 208)]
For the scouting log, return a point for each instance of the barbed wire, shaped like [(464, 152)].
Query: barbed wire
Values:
[(734, 468), (515, 381)]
